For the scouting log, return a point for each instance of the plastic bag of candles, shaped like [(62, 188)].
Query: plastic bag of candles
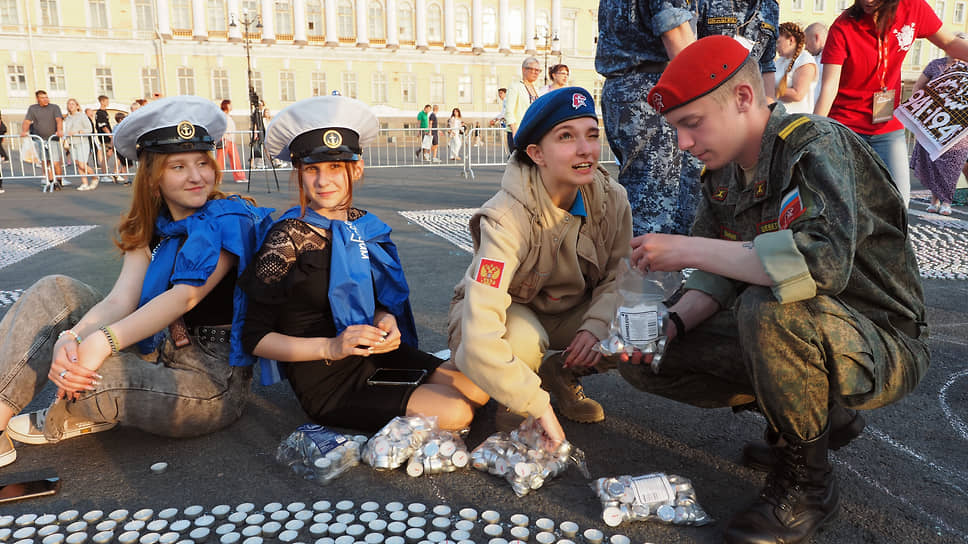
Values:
[(443, 451), (397, 441), (317, 453), (639, 322), (667, 498), (525, 457)]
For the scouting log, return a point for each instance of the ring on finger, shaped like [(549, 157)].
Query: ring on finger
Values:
[(63, 374)]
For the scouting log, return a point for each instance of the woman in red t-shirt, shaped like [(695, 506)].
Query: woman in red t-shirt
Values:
[(862, 60)]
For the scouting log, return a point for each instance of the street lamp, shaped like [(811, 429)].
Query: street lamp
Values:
[(553, 39)]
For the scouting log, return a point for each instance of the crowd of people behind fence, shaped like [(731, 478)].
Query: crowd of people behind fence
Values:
[(797, 223)]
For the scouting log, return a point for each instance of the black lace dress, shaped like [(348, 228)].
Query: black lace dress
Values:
[(287, 284)]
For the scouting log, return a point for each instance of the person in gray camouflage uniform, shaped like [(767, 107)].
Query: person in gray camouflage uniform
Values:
[(755, 20), (635, 41), (802, 237)]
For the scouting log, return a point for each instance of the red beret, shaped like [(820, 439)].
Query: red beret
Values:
[(697, 70)]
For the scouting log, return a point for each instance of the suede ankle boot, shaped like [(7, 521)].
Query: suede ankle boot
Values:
[(800, 495)]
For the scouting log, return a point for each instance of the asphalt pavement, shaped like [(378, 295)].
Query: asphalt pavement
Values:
[(905, 479)]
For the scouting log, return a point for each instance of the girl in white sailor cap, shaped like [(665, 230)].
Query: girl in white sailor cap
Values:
[(328, 294), (162, 350)]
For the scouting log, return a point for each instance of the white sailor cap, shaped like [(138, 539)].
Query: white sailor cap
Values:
[(322, 129), (174, 124)]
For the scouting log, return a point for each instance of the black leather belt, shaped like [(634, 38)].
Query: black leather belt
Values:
[(212, 334)]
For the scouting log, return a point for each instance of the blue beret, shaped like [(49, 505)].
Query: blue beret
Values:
[(550, 109)]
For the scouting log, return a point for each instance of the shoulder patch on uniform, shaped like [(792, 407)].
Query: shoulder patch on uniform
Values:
[(489, 272), (720, 193), (767, 26), (727, 234), (787, 130), (791, 207)]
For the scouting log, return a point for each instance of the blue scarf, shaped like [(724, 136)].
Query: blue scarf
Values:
[(364, 270)]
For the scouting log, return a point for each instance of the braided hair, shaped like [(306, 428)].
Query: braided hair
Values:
[(794, 30)]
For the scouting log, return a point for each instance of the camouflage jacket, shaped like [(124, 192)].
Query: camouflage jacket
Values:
[(755, 20)]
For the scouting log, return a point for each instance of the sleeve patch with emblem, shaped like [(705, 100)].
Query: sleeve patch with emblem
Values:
[(791, 207), (489, 272)]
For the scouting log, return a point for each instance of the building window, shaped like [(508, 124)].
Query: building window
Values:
[(405, 22), (186, 80), (348, 80), (465, 94), (959, 17), (379, 88), (215, 16), (181, 14), (98, 11), (16, 79), (287, 86), (144, 14), (257, 83), (462, 20), (841, 5), (48, 13), (435, 32), (104, 82), (56, 80), (796, 5), (376, 26), (819, 6), (516, 27), (489, 27), (542, 31), (220, 84), (283, 17), (8, 12), (437, 95), (344, 18), (150, 82), (915, 54), (939, 9), (408, 88), (318, 81), (314, 19), (490, 90)]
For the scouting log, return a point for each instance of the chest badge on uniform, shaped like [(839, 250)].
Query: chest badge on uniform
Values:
[(767, 226), (728, 234), (791, 207), (759, 189), (489, 272), (720, 193)]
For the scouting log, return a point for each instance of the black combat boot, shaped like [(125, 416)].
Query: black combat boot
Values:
[(800, 495), (845, 425)]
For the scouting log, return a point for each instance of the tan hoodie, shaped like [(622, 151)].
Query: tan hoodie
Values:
[(529, 251)]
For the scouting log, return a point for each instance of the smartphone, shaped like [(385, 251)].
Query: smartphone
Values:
[(397, 376), (27, 490)]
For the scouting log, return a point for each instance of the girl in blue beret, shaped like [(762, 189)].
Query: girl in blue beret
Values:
[(540, 290), (162, 351), (329, 298)]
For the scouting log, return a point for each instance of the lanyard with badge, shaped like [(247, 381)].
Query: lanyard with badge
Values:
[(883, 106)]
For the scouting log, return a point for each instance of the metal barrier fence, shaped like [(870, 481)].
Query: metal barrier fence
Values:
[(88, 157)]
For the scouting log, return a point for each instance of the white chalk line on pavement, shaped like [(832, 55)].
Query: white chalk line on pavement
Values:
[(955, 421)]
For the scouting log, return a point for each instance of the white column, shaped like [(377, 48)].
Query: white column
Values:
[(268, 22), (504, 36), (529, 21), (164, 18), (235, 32), (421, 13), (199, 31), (477, 26), (450, 26), (556, 26), (332, 28), (393, 31), (299, 22), (362, 38)]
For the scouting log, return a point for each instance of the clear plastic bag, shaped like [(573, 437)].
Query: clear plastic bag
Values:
[(443, 451), (397, 441), (667, 498), (320, 454), (639, 322), (524, 457)]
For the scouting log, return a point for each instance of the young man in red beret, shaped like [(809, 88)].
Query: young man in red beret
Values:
[(801, 237)]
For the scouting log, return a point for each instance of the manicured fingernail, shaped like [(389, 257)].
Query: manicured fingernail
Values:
[(370, 349), (99, 377), (95, 383), (384, 333)]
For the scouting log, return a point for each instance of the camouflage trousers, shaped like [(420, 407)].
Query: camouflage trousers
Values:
[(792, 359), (662, 181)]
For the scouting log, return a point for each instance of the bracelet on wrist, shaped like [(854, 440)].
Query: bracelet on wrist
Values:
[(112, 339), (70, 332), (677, 321)]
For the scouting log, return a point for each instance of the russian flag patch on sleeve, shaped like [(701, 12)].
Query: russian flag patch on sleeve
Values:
[(791, 207), (489, 272)]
